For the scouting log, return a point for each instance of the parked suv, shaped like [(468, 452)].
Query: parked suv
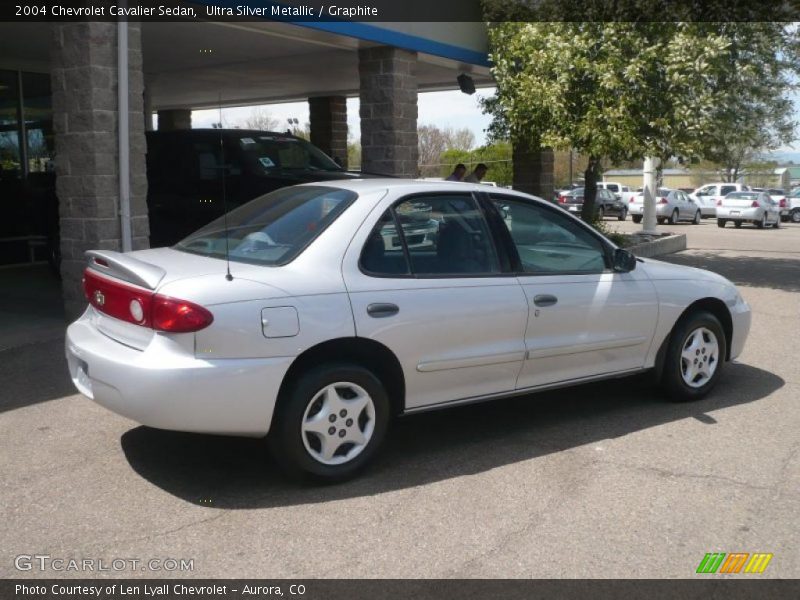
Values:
[(188, 171)]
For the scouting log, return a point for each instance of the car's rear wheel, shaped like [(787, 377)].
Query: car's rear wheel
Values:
[(673, 218), (737, 224), (697, 217), (794, 216), (330, 422), (721, 222), (623, 215), (696, 351), (763, 222), (636, 218)]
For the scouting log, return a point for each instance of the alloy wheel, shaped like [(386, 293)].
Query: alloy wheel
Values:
[(338, 423), (699, 357)]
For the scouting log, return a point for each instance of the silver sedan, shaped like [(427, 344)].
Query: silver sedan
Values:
[(748, 207), (672, 206), (318, 313)]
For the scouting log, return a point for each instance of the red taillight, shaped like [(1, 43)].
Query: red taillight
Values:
[(562, 199), (630, 201), (754, 204), (178, 316), (143, 307), (719, 202), (663, 201), (782, 202)]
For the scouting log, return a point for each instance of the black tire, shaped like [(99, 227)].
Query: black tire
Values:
[(737, 224), (762, 223), (721, 222), (673, 218), (672, 379), (697, 217), (794, 216), (623, 215), (661, 220), (286, 438), (636, 218)]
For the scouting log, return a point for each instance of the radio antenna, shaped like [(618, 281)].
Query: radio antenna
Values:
[(223, 168)]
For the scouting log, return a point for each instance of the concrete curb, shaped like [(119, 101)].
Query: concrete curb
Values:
[(664, 245)]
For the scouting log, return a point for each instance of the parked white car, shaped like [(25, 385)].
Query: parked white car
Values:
[(748, 207), (672, 206), (295, 317), (707, 196)]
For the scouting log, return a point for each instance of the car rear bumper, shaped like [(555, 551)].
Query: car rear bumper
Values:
[(708, 211), (739, 214), (164, 387)]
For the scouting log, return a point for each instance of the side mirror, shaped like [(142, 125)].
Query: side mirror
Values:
[(624, 261)]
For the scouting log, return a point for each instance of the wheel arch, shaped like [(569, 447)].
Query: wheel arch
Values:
[(363, 351), (717, 308)]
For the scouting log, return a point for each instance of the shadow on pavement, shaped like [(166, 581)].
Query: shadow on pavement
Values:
[(756, 271), (34, 373), (231, 473)]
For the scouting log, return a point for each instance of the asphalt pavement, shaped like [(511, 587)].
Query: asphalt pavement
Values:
[(604, 480)]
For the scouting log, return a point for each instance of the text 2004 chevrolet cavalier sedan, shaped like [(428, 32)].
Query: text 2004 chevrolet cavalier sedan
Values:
[(349, 303)]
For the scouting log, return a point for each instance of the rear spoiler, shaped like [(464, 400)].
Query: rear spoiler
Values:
[(125, 267)]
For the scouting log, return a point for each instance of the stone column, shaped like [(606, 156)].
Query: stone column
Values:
[(328, 121), (179, 118), (388, 111), (533, 170), (84, 84)]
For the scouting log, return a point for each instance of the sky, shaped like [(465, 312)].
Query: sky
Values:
[(443, 109)]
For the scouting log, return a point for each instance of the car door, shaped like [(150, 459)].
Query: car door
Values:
[(426, 280), (585, 319)]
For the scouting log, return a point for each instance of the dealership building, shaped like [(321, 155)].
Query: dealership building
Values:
[(74, 99)]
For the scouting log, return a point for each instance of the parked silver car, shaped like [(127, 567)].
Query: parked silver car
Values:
[(299, 316), (748, 207), (671, 206)]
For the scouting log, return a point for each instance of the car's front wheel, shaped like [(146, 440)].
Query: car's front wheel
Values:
[(623, 215), (696, 351), (794, 216), (697, 217), (330, 422), (673, 218), (721, 222), (636, 218)]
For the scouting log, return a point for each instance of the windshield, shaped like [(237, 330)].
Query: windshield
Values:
[(272, 229), (271, 152)]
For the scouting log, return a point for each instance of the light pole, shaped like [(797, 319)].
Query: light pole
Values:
[(649, 193)]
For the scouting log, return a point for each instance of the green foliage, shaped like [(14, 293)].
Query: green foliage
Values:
[(624, 90), (496, 156)]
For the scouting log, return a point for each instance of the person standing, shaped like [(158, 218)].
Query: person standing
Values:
[(458, 173), (478, 174)]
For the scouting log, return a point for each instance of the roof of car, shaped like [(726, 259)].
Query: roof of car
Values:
[(363, 186)]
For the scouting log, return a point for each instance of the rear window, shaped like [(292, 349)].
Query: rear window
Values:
[(272, 229), (274, 152)]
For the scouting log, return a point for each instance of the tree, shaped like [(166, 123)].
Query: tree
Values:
[(434, 141), (623, 90), (260, 118), (496, 156), (753, 106)]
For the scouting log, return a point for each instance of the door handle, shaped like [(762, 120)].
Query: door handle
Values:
[(544, 300), (379, 310)]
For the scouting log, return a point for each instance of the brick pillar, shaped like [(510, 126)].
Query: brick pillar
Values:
[(388, 111), (179, 118), (84, 83), (328, 121), (533, 170)]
